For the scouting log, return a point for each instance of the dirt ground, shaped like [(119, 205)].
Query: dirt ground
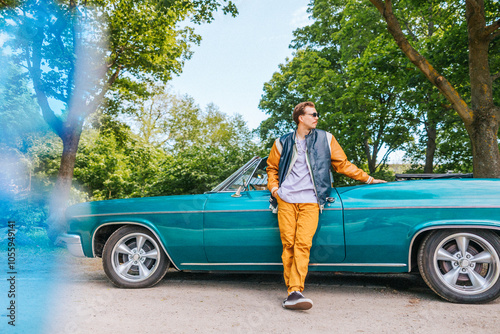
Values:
[(251, 303)]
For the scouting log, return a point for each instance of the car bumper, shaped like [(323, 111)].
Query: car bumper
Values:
[(73, 243)]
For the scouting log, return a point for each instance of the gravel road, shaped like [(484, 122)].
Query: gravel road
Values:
[(251, 303)]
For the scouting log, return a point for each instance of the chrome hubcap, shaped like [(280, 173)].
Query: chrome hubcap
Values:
[(467, 263), (135, 257)]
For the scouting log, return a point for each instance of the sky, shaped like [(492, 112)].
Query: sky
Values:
[(238, 55)]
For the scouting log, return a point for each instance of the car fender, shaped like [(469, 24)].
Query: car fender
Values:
[(447, 224), (140, 222)]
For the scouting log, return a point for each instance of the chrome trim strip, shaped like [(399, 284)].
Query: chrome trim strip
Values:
[(73, 244), (310, 264), (430, 207), (358, 264), (133, 223), (229, 211), (133, 213), (166, 212), (231, 264), (438, 227)]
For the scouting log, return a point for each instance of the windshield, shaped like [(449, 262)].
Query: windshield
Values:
[(238, 176), (243, 178)]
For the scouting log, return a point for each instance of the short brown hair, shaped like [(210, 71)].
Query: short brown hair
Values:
[(300, 110)]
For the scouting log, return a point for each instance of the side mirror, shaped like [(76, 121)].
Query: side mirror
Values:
[(238, 192)]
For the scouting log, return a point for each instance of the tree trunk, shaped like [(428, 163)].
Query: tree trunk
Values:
[(372, 158), (61, 192), (483, 130), (431, 130), (483, 133), (372, 166)]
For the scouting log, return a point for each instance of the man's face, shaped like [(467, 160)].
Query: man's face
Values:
[(308, 120)]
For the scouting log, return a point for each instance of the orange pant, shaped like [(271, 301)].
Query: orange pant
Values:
[(298, 223)]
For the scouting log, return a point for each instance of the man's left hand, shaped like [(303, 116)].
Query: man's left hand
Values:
[(378, 181)]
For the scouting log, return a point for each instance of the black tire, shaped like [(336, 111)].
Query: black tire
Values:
[(129, 267), (461, 266)]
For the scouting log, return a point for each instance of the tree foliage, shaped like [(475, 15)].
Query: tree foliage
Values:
[(201, 148), (76, 52), (480, 18), (370, 94), (344, 65), (19, 114)]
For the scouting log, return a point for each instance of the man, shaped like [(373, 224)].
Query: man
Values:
[(298, 170)]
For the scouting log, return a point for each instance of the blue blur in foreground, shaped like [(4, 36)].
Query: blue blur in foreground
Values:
[(27, 290), (39, 71)]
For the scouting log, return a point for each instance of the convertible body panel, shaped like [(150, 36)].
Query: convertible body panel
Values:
[(382, 220), (368, 228), (176, 220)]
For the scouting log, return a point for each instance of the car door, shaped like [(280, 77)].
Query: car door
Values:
[(239, 227), (328, 242)]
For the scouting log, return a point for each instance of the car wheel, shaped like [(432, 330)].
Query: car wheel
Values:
[(461, 266), (133, 258)]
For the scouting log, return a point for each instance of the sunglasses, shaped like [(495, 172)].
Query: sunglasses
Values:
[(314, 114)]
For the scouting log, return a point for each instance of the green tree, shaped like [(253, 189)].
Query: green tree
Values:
[(196, 170), (203, 147), (63, 46), (147, 113), (22, 194), (190, 126), (343, 64), (441, 36), (107, 168), (480, 115), (19, 115), (204, 151)]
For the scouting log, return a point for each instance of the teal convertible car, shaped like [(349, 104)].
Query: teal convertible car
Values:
[(446, 229)]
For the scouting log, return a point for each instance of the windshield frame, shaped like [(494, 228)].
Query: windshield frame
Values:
[(222, 187)]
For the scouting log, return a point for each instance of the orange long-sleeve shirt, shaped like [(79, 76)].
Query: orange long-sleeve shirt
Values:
[(339, 163)]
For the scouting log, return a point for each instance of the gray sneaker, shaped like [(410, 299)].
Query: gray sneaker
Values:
[(296, 301)]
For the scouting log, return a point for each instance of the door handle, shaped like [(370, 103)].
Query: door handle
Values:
[(330, 199)]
